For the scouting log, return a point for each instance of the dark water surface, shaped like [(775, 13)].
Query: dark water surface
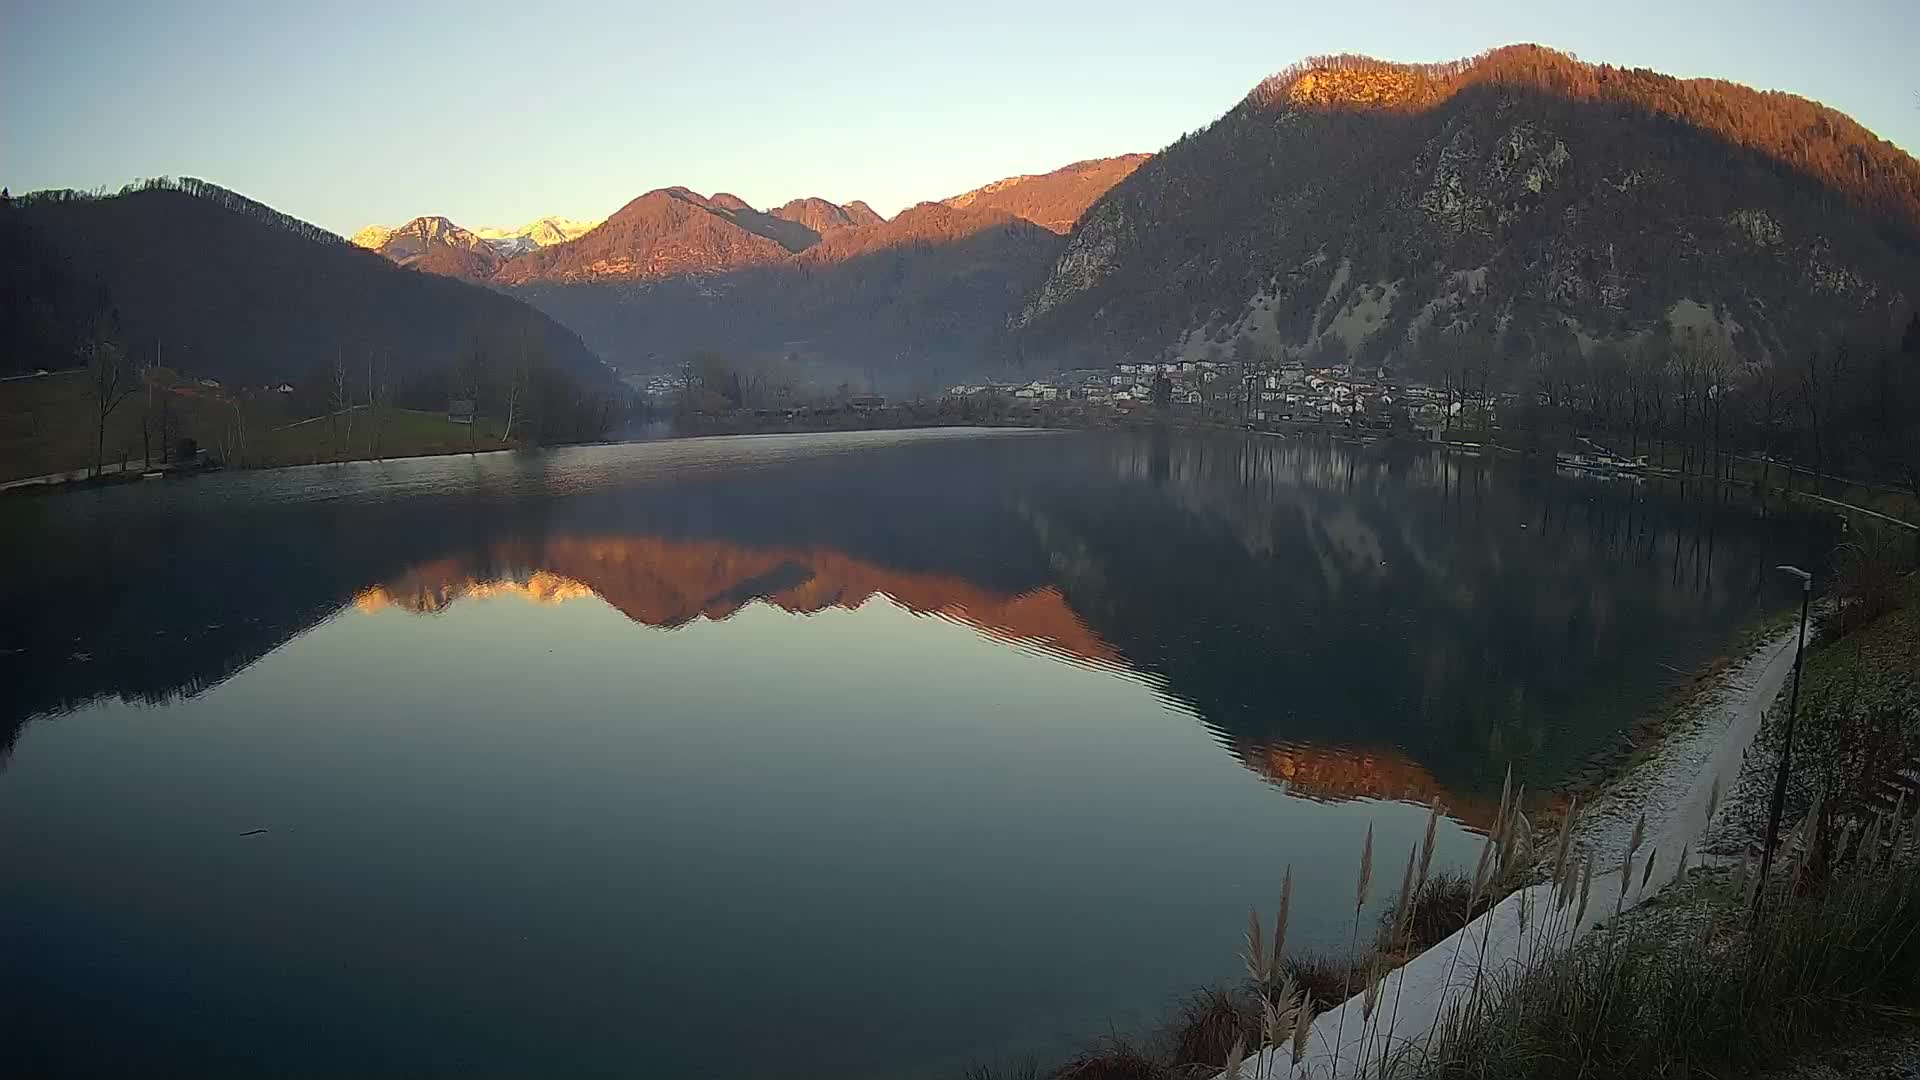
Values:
[(847, 755)]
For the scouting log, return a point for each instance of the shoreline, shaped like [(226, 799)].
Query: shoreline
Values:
[(1671, 783), (68, 482), (1646, 736)]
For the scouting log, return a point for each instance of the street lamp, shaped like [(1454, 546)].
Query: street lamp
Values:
[(1779, 804)]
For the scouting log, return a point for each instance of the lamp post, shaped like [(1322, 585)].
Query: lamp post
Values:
[(1779, 803)]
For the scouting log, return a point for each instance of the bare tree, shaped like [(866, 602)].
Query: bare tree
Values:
[(470, 379), (109, 381), (232, 436), (379, 401), (146, 414), (341, 403), (1771, 413), (1716, 374), (164, 423)]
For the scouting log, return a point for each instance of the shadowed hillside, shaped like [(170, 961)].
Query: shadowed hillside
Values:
[(233, 289), (44, 307)]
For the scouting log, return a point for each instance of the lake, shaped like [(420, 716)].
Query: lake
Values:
[(858, 756)]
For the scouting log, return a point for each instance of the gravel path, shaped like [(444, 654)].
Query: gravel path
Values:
[(1893, 1056), (1674, 785)]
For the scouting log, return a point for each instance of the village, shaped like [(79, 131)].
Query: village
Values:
[(1289, 392)]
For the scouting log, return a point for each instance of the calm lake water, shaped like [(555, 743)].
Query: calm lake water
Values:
[(867, 755)]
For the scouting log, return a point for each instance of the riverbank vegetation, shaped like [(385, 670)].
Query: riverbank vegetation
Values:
[(1734, 974), (1842, 422)]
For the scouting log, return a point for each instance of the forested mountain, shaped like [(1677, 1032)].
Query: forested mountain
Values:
[(1055, 200), (236, 290), (1520, 204), (45, 309)]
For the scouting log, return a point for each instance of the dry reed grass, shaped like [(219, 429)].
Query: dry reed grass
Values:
[(1838, 951)]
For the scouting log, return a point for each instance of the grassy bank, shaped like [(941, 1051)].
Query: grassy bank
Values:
[(399, 433), (1696, 989), (49, 424), (1696, 985)]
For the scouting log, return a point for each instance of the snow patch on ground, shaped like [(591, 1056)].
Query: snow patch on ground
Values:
[(1671, 787)]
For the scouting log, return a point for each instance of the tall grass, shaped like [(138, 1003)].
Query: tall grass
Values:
[(1837, 951)]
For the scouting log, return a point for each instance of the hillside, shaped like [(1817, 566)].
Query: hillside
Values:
[(1054, 200), (241, 292), (44, 306), (1521, 204)]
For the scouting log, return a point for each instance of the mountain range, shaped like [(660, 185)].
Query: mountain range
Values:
[(1517, 208), (674, 232), (506, 242)]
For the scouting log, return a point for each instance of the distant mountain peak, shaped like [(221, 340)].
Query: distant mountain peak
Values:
[(541, 232), (421, 232), (372, 236), (435, 244), (823, 216), (862, 214)]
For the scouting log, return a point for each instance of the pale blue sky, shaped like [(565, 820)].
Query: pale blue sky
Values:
[(346, 112)]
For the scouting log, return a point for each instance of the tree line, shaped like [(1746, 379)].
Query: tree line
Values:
[(200, 189), (502, 376), (1851, 408)]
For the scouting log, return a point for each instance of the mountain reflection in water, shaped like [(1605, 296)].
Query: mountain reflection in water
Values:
[(982, 744), (1444, 615)]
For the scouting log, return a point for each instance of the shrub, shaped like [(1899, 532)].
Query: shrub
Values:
[(1441, 907), (1208, 1024)]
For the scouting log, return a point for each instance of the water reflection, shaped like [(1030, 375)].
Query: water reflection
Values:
[(1454, 613), (669, 583)]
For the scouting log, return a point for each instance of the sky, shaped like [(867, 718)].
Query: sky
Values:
[(346, 112)]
